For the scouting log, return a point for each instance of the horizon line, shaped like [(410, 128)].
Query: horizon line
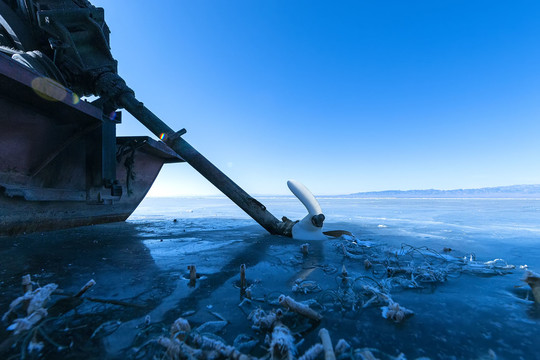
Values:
[(347, 194)]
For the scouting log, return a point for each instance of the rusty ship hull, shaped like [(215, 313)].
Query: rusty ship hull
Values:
[(61, 163)]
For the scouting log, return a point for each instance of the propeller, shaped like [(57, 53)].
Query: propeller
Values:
[(310, 227)]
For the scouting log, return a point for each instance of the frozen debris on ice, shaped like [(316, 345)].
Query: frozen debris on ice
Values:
[(86, 287), (218, 315), (34, 345), (28, 322), (344, 275), (282, 343), (15, 303), (304, 248), (245, 343), (364, 354), (26, 283), (192, 275), (422, 273), (499, 264), (492, 267), (305, 286), (395, 312), (212, 326), (246, 300), (327, 345), (312, 353), (350, 255), (177, 349), (425, 252), (188, 313), (227, 351), (35, 301), (533, 279), (378, 293), (342, 347), (106, 328), (180, 329), (186, 344), (405, 283), (263, 321), (243, 282), (248, 293), (39, 297), (290, 303)]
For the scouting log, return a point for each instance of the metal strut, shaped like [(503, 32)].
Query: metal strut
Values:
[(228, 187), (112, 87)]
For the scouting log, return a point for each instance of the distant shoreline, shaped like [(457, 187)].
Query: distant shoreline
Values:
[(499, 192), (429, 198)]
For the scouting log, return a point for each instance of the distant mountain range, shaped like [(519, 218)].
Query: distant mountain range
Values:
[(506, 192)]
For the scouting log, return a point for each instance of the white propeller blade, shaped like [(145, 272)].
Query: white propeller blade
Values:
[(310, 227)]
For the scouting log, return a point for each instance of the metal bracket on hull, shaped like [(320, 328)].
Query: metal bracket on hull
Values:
[(42, 194)]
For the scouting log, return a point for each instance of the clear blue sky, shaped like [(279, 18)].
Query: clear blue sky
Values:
[(344, 96)]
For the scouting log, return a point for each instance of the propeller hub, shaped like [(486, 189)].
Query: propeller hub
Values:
[(317, 220)]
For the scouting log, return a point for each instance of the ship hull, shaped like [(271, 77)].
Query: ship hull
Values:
[(61, 164), (26, 210)]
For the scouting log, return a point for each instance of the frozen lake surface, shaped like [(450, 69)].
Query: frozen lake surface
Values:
[(463, 309)]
